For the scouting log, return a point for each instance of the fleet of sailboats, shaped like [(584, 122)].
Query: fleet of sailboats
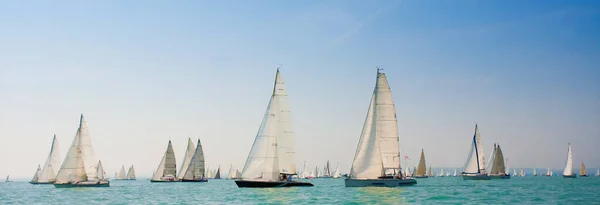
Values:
[(377, 158)]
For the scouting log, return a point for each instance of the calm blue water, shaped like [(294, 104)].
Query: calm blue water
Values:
[(446, 190)]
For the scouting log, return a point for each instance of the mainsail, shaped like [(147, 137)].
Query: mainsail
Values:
[(475, 161), (131, 173), (36, 176), (218, 173), (52, 164), (100, 171), (327, 171), (569, 166), (422, 169), (195, 170), (167, 166), (189, 153), (336, 173), (582, 170)]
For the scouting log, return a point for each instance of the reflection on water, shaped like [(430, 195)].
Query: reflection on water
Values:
[(383, 195)]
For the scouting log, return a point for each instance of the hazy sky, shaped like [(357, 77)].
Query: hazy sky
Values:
[(144, 72)]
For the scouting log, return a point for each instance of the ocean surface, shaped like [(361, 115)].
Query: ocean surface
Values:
[(438, 190)]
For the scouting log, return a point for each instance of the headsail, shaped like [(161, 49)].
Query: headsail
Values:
[(122, 174), (475, 161), (131, 173), (189, 153), (36, 176), (100, 171), (498, 161), (582, 170), (569, 166), (73, 168), (422, 169), (167, 166), (52, 164)]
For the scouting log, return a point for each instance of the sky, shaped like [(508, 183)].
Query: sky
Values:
[(145, 72)]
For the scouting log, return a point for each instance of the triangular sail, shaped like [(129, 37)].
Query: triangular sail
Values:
[(122, 174), (284, 130), (230, 173), (73, 168), (569, 166), (89, 158), (100, 171), (52, 164), (368, 163), (36, 176), (327, 169), (422, 169), (582, 170), (492, 155), (189, 153), (195, 170), (336, 173), (386, 124), (475, 161), (218, 173), (131, 173), (167, 166)]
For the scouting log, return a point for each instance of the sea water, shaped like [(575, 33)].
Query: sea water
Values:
[(438, 190)]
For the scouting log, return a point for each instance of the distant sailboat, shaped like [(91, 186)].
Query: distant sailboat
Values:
[(122, 174), (534, 172), (515, 172), (48, 173), (195, 169), (597, 172), (441, 172), (131, 173), (167, 168), (189, 153), (326, 171), (430, 172), (454, 175), (475, 166), (218, 173), (7, 179), (271, 160), (521, 173), (498, 170), (336, 173), (548, 174), (80, 167), (101, 173), (305, 173), (568, 173), (422, 169), (582, 171), (377, 158)]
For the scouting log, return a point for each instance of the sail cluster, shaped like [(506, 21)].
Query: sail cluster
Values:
[(192, 167)]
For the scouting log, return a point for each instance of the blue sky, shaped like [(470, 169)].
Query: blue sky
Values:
[(144, 72)]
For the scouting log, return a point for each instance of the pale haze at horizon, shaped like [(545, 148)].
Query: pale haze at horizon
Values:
[(146, 72)]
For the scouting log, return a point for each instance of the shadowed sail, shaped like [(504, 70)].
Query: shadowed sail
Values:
[(167, 169), (582, 171), (131, 173), (122, 175), (475, 165), (195, 170), (569, 166), (36, 176), (422, 169), (47, 175)]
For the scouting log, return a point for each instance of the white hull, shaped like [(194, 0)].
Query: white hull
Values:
[(379, 182)]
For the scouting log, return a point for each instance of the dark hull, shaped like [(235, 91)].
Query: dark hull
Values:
[(123, 179), (584, 175), (81, 185), (194, 180), (420, 176), (570, 176), (161, 181), (500, 176), (41, 182), (476, 177), (269, 184), (379, 182)]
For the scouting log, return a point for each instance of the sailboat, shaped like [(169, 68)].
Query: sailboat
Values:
[(441, 172), (122, 174), (498, 171), (568, 173), (326, 171), (195, 169), (475, 166), (47, 175), (80, 167), (218, 173), (377, 158), (548, 173), (454, 175), (8, 179), (189, 153), (131, 173), (514, 172), (336, 173), (422, 170), (167, 168), (583, 171), (521, 173), (551, 174), (507, 169), (414, 172), (534, 172), (597, 172), (271, 160), (430, 172), (100, 172)]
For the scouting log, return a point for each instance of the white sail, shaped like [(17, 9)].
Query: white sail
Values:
[(475, 160), (454, 172), (195, 170), (442, 172), (89, 158), (230, 172), (368, 163), (336, 174), (514, 172), (131, 173), (100, 171), (327, 170), (122, 174), (167, 166), (569, 166), (548, 172), (36, 176), (597, 172), (73, 168), (507, 169), (189, 153), (52, 164), (305, 173), (534, 171), (492, 155), (285, 133), (386, 124)]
